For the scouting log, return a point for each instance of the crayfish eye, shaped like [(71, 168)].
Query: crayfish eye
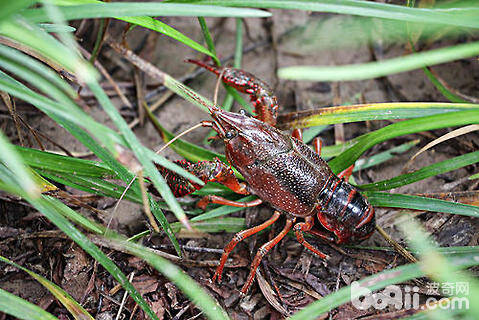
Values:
[(230, 134)]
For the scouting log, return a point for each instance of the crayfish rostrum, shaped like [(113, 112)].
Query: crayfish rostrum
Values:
[(281, 170)]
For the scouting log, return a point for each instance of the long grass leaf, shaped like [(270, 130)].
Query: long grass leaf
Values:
[(423, 173), (370, 111), (58, 163), (11, 7), (131, 9), (75, 309), (459, 16), (382, 68), (393, 200), (22, 309), (368, 140)]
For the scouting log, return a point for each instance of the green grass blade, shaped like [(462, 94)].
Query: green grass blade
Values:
[(50, 208), (442, 89), (423, 173), (57, 163), (75, 309), (368, 140), (22, 309), (51, 48), (82, 221), (146, 22), (464, 16), (364, 112), (54, 28), (384, 156), (13, 162), (65, 91), (474, 176), (140, 14), (11, 7), (208, 39), (97, 9), (394, 200), (382, 68), (141, 155), (92, 185), (185, 149), (71, 127)]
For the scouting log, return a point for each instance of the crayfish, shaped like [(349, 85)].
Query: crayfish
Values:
[(280, 170)]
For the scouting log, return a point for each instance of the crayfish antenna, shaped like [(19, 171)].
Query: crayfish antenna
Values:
[(201, 124), (210, 67)]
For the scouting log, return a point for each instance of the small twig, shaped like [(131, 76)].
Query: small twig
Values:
[(11, 108), (146, 204), (406, 254), (107, 76), (125, 295)]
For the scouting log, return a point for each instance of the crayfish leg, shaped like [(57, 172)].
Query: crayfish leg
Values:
[(262, 252), (306, 226), (240, 236), (318, 144), (298, 134), (207, 171), (264, 101), (220, 200), (346, 173)]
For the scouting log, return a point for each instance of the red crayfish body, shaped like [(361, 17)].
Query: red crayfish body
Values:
[(281, 170), (286, 173)]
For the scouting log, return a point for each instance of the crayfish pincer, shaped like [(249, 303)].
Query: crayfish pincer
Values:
[(280, 170)]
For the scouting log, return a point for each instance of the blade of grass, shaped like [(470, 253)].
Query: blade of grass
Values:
[(11, 7), (363, 112), (22, 309), (92, 185), (62, 164), (450, 119), (208, 39), (75, 309), (423, 173), (88, 75), (460, 16), (382, 68), (384, 156), (185, 149), (99, 9), (147, 22), (394, 200), (227, 224)]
